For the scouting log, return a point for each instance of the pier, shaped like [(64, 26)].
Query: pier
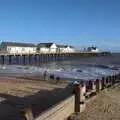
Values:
[(24, 59)]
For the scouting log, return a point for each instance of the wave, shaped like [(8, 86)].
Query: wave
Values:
[(64, 71)]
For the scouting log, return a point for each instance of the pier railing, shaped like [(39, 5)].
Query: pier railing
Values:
[(76, 103)]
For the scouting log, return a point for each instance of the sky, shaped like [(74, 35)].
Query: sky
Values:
[(80, 23)]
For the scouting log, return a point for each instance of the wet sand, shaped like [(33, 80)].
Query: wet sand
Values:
[(106, 106), (17, 93)]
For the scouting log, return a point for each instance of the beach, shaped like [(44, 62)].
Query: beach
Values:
[(24, 87), (105, 106), (18, 93)]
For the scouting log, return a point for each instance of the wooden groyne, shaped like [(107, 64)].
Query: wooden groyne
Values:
[(42, 57), (83, 92)]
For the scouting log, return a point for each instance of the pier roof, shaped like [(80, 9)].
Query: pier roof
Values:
[(46, 45), (64, 46), (18, 44)]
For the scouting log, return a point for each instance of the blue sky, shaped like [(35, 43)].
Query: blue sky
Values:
[(77, 22)]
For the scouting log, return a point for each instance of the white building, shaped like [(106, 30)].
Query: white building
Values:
[(93, 49), (47, 48), (17, 48), (65, 49)]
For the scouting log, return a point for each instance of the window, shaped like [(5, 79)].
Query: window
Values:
[(23, 49), (9, 49)]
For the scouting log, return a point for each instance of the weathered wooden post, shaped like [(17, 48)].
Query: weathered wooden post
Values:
[(112, 77), (27, 114), (107, 81), (93, 86), (82, 96), (98, 85), (103, 83), (77, 97), (117, 78), (80, 90), (110, 81)]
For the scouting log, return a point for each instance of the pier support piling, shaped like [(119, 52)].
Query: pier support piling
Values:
[(2, 59), (10, 59), (24, 61)]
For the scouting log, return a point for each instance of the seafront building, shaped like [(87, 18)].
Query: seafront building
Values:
[(17, 48), (65, 49), (47, 48), (27, 48)]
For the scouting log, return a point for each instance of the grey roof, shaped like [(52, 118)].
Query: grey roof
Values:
[(92, 48), (18, 44), (64, 46), (71, 46), (46, 45)]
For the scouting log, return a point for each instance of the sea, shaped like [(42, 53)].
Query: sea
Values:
[(77, 68)]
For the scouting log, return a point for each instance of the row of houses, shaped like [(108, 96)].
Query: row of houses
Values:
[(21, 48)]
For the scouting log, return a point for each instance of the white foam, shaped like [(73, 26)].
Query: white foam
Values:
[(66, 71)]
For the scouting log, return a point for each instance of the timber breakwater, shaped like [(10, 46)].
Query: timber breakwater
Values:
[(81, 93), (41, 57)]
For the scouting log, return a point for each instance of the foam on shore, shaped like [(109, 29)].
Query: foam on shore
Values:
[(84, 72)]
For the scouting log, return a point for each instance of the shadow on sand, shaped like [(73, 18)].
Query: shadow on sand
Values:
[(10, 108)]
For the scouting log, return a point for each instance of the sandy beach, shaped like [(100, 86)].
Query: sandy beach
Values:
[(106, 106), (17, 93)]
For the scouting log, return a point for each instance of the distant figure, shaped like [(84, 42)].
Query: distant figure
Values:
[(52, 77), (45, 74), (57, 79)]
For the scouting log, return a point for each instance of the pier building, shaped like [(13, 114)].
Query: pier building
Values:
[(47, 48), (18, 48), (65, 49), (93, 49)]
